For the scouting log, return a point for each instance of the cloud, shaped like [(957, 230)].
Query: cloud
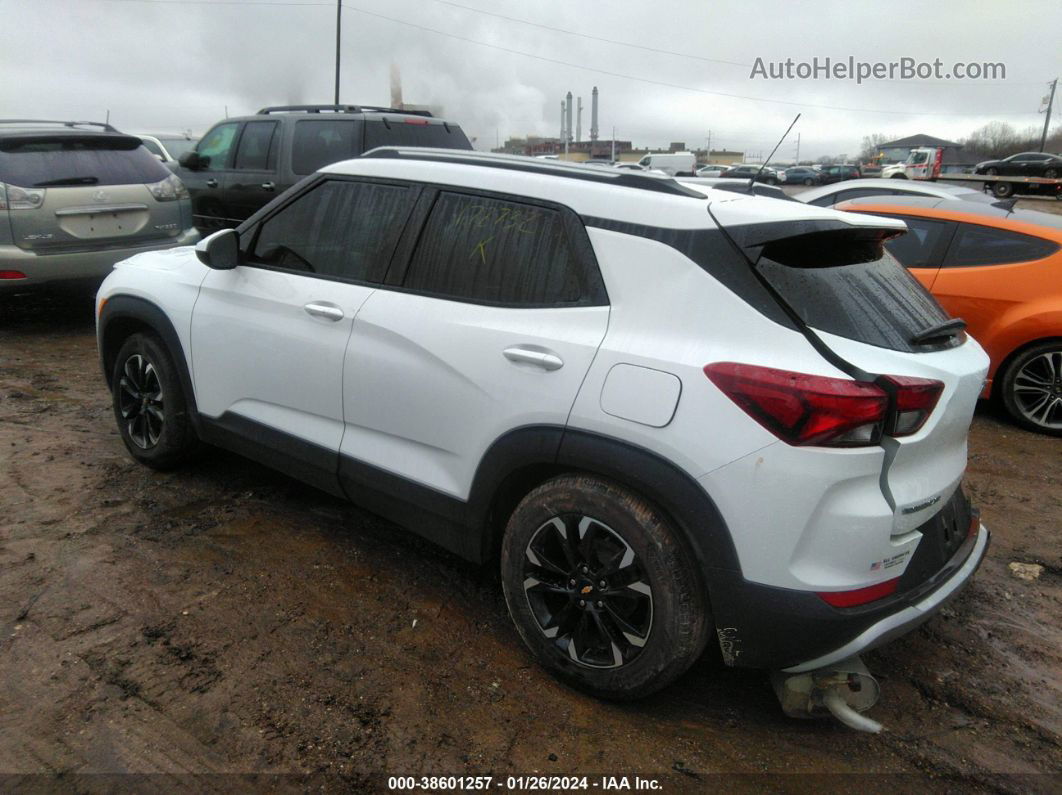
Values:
[(168, 66)]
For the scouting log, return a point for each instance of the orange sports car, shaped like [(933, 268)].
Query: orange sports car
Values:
[(1000, 270)]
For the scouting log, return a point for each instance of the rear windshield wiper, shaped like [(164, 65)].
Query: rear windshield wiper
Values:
[(943, 330), (67, 181)]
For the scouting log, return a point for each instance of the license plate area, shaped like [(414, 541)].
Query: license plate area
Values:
[(88, 225)]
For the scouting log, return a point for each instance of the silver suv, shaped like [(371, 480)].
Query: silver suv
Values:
[(76, 197)]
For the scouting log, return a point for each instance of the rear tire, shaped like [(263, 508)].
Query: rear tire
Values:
[(641, 630), (809, 181), (149, 404), (1002, 190), (1031, 388)]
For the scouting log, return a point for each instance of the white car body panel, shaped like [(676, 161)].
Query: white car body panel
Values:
[(428, 387), (251, 324)]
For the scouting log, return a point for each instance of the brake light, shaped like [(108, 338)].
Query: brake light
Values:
[(860, 596), (915, 400), (416, 121), (12, 275), (803, 409)]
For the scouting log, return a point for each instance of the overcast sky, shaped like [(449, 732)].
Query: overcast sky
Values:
[(165, 65)]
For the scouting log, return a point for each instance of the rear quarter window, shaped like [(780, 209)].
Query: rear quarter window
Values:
[(71, 160), (320, 142), (414, 133), (983, 245)]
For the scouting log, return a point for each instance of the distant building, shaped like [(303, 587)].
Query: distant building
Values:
[(534, 145)]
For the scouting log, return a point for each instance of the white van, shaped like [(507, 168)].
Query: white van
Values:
[(682, 164)]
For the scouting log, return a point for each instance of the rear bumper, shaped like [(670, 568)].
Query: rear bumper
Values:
[(907, 619), (41, 269), (760, 626)]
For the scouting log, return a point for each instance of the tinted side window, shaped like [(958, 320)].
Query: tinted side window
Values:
[(318, 142), (916, 249), (492, 251), (256, 148), (983, 245), (344, 229), (216, 145)]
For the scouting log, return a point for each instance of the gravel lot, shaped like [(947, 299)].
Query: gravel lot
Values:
[(226, 619)]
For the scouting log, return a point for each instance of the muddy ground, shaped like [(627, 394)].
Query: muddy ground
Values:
[(226, 619)]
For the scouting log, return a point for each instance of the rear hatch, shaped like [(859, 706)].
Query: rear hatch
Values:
[(413, 130), (871, 318), (86, 191)]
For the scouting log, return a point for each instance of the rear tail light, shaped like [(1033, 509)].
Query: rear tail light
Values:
[(13, 197), (803, 409), (169, 189), (915, 400), (12, 275), (423, 122), (860, 596)]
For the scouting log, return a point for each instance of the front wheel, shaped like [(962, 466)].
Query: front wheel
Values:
[(1002, 190), (149, 404), (1031, 388), (992, 172), (809, 181), (1051, 173), (602, 589)]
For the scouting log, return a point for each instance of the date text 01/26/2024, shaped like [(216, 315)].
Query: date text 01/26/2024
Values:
[(531, 783)]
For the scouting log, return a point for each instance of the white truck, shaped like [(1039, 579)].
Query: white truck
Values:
[(925, 163), (674, 164)]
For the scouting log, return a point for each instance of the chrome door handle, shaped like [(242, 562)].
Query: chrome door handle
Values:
[(268, 186), (547, 360), (324, 310), (211, 183)]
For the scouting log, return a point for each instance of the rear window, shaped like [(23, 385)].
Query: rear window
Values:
[(70, 160), (386, 132), (849, 285)]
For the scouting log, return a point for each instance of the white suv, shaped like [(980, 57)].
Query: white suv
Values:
[(673, 415)]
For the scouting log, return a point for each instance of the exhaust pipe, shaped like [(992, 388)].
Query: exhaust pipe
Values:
[(843, 690)]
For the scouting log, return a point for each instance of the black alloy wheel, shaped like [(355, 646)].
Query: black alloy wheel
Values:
[(588, 591), (140, 401)]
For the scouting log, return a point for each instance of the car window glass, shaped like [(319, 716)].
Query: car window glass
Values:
[(414, 132), (492, 251), (216, 145), (828, 200), (983, 245), (340, 228), (151, 146), (916, 248), (256, 148), (75, 159), (319, 142)]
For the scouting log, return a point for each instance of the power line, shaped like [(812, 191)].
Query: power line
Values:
[(659, 82), (592, 37), (569, 64)]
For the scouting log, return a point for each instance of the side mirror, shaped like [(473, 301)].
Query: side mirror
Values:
[(192, 161), (220, 251)]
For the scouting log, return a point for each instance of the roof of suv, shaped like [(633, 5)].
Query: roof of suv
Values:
[(21, 128), (629, 197), (339, 112)]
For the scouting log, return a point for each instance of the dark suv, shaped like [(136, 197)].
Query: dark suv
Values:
[(242, 163), (838, 173)]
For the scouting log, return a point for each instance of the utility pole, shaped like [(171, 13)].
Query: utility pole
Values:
[(613, 144), (339, 20), (709, 145), (798, 150), (1047, 116)]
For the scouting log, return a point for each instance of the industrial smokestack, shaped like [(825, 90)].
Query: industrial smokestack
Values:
[(396, 87), (568, 117), (562, 133), (593, 115), (579, 121)]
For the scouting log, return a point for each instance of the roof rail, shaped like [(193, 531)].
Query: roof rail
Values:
[(337, 109), (533, 165), (105, 126)]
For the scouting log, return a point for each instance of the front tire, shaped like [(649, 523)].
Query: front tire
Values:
[(602, 589), (1031, 388), (149, 404)]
